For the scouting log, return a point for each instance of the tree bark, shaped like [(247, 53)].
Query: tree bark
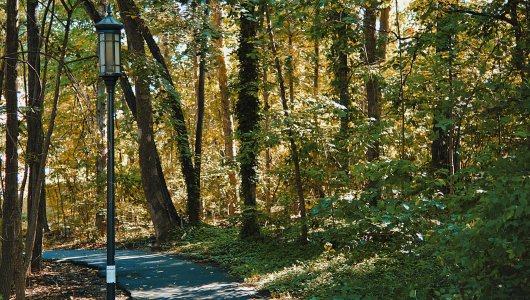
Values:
[(179, 123), (11, 223), (247, 113), (228, 131), (372, 84), (341, 70), (101, 147), (267, 125), (292, 143), (441, 143), (33, 214), (36, 260), (34, 124), (203, 47), (130, 99), (162, 215), (341, 35)]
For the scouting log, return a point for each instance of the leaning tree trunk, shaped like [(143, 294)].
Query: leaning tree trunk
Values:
[(247, 113), (163, 220), (130, 99), (292, 143), (179, 123), (11, 222)]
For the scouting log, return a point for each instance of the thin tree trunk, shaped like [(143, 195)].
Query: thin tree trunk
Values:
[(203, 44), (32, 216), (316, 68), (11, 223), (340, 83), (34, 120), (292, 143), (247, 113), (268, 158), (228, 130), (441, 143), (163, 219), (101, 148), (372, 84), (401, 82)]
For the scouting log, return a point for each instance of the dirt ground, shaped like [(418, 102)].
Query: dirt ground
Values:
[(68, 281)]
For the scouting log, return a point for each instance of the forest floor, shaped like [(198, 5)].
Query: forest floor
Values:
[(281, 267), (68, 281)]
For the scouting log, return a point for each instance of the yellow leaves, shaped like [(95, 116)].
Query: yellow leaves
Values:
[(328, 247)]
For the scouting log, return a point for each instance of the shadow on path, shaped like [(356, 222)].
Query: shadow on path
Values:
[(148, 275)]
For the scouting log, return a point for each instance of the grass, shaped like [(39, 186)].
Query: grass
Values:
[(283, 268)]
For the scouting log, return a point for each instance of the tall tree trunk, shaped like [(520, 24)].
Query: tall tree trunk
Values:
[(101, 148), (441, 143), (34, 123), (33, 214), (203, 45), (130, 99), (316, 48), (36, 260), (247, 113), (161, 214), (384, 30), (375, 53), (267, 125), (372, 84), (11, 223), (292, 143), (341, 81), (179, 122), (228, 131)]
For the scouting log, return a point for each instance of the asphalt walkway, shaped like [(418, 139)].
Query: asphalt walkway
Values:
[(148, 275)]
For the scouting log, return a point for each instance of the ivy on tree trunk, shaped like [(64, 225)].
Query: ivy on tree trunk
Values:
[(247, 113)]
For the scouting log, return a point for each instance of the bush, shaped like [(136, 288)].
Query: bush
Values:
[(486, 239)]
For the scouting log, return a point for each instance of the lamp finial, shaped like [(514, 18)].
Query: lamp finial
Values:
[(109, 10)]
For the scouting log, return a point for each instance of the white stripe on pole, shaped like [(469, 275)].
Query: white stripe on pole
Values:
[(111, 274)]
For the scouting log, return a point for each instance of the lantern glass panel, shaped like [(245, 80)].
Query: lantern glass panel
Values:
[(102, 53), (117, 52), (109, 53)]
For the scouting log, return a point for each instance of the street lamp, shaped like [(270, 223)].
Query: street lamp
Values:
[(109, 35)]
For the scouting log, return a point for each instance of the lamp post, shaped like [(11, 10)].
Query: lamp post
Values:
[(109, 35)]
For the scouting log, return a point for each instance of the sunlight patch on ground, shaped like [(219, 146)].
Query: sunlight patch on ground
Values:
[(317, 273)]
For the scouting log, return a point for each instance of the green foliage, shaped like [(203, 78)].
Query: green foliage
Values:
[(243, 258), (486, 239)]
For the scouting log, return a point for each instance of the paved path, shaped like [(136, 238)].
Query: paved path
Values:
[(148, 275)]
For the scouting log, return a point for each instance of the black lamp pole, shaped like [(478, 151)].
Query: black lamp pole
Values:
[(109, 35)]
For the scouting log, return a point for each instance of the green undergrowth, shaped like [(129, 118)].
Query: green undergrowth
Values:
[(285, 269)]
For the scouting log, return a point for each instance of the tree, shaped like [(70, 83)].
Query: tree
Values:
[(202, 40), (178, 121), (293, 147), (34, 126), (228, 130), (375, 53), (11, 259), (247, 113), (341, 35), (163, 213)]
